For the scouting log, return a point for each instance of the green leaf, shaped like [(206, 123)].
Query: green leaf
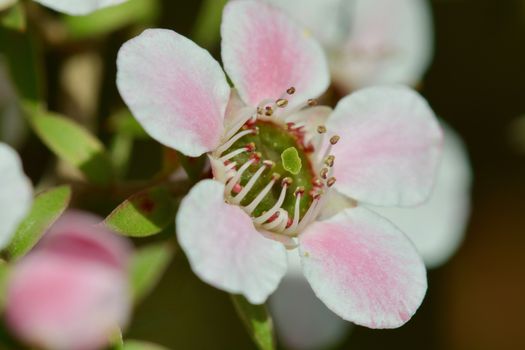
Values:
[(24, 59), (147, 267), (144, 214), (141, 345), (112, 18), (73, 144), (46, 209), (14, 18), (291, 160), (257, 321)]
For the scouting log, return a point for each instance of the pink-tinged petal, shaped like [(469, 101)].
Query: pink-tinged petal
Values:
[(302, 321), (390, 42), (265, 53), (16, 193), (323, 18), (78, 7), (175, 89), (390, 146), (437, 227), (224, 248), (71, 291), (363, 268)]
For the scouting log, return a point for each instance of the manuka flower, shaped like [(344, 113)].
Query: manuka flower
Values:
[(70, 7), (16, 193), (280, 162), (71, 291)]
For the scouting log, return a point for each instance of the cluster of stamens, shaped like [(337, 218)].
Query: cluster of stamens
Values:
[(277, 219)]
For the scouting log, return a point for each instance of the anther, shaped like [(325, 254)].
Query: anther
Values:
[(324, 173), (330, 182), (269, 111), (281, 103), (317, 183), (299, 190), (268, 163), (312, 102), (290, 91), (329, 161), (321, 129), (334, 139), (256, 156), (260, 110), (276, 176), (287, 181), (250, 147)]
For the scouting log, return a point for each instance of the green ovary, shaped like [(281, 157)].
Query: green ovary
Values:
[(275, 143)]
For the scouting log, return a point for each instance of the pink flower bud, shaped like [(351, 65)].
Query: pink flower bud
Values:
[(71, 292)]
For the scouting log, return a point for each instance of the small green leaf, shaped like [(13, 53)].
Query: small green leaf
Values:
[(257, 321), (72, 143), (141, 345), (14, 18), (147, 267), (112, 18), (23, 55), (291, 160), (47, 208), (144, 214)]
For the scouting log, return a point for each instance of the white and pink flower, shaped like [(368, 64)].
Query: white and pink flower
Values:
[(280, 164), (70, 7), (71, 291)]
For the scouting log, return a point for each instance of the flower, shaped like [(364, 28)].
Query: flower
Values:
[(70, 7), (71, 291), (275, 159), (16, 193), (369, 42)]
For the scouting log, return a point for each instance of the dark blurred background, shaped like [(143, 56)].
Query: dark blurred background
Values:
[(476, 300)]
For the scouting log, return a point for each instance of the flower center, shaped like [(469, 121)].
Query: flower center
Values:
[(271, 168)]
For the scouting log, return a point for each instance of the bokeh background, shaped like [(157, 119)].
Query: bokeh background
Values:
[(476, 84)]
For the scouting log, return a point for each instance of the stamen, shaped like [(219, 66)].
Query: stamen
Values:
[(307, 218), (268, 111), (330, 182), (291, 229), (282, 217), (251, 207), (281, 103), (329, 161), (234, 139), (231, 183), (262, 219), (238, 198), (324, 173), (334, 139), (233, 154), (321, 129), (312, 102), (246, 115), (290, 91)]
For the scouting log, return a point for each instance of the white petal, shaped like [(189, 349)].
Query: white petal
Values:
[(390, 146), (363, 268), (78, 7), (16, 193), (175, 89), (437, 227), (224, 248)]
